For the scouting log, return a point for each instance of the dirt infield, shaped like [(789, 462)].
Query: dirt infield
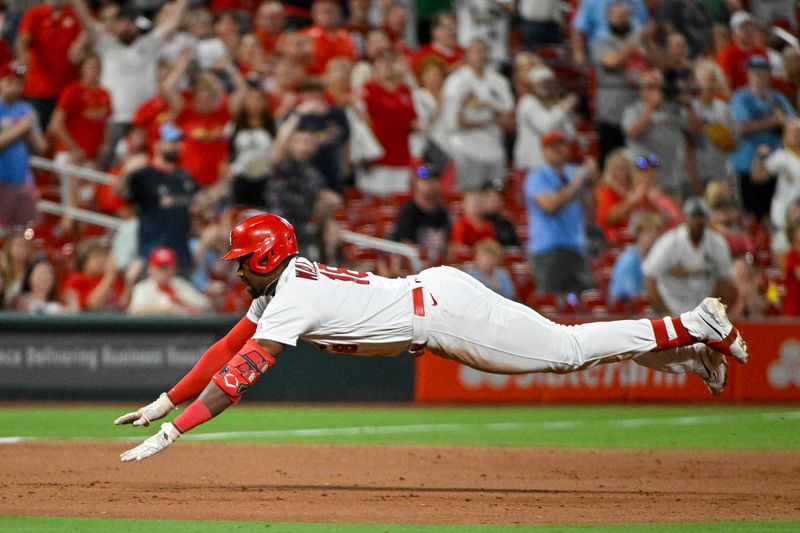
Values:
[(398, 484)]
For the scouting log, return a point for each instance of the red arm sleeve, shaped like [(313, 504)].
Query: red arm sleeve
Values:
[(220, 353)]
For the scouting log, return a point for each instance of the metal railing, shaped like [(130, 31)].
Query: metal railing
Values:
[(68, 172)]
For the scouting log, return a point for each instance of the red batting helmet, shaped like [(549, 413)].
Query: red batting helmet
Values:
[(269, 238)]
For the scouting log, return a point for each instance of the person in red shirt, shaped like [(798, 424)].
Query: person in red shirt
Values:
[(791, 300), (46, 33), (618, 197), (268, 24), (391, 113), (444, 43), (282, 95), (81, 116), (203, 115), (96, 284), (328, 39), (394, 24), (471, 227), (733, 58), (155, 111)]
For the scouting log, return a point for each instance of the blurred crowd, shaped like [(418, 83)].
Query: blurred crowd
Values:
[(594, 156)]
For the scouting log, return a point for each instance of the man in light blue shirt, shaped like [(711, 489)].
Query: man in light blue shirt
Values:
[(556, 227), (590, 23)]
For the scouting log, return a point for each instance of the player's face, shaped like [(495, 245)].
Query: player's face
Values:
[(256, 284)]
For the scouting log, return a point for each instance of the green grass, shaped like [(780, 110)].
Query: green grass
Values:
[(103, 525), (620, 427)]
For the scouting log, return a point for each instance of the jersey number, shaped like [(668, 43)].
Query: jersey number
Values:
[(342, 274)]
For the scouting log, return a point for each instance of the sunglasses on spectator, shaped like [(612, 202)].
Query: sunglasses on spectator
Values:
[(651, 160)]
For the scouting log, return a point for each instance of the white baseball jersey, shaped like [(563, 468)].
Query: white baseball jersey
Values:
[(337, 310), (449, 311)]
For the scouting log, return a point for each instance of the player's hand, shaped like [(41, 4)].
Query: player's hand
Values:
[(152, 445), (158, 409)]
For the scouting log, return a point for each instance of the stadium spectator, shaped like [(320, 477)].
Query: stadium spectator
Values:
[(646, 170), (377, 43), (250, 60), (162, 291), (593, 21), (791, 281), (618, 58), (282, 95), (727, 220), (394, 23), (488, 21), (46, 33), (444, 42), (779, 243), (392, 117), (162, 193), (790, 76), (553, 196), (471, 227), (734, 57), (783, 166), (39, 290), (540, 23), (488, 256), (251, 138), (688, 263), (477, 102), (328, 39), (543, 109), (712, 144), (268, 24), (155, 111), (203, 115), (428, 140), (492, 205), (423, 220), (331, 129), (295, 189), (17, 255), (770, 12), (677, 68), (81, 116), (129, 59), (6, 52), (759, 112), (654, 125), (618, 197), (689, 18), (19, 133), (358, 24), (96, 284), (747, 280), (627, 278)]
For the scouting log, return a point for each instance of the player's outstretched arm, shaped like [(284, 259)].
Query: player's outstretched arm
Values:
[(226, 388)]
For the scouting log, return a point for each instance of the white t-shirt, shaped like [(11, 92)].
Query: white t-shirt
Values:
[(686, 274), (534, 119), (486, 143), (337, 310), (785, 164), (149, 298), (129, 72)]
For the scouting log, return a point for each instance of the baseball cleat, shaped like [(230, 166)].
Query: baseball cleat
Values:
[(714, 371), (715, 330)]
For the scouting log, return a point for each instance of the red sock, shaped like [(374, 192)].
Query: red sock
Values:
[(194, 415), (671, 333)]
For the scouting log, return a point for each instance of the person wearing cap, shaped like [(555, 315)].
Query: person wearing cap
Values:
[(759, 112), (46, 33), (162, 291), (556, 231), (542, 110), (162, 193), (19, 132), (688, 263), (423, 220), (733, 58), (129, 59)]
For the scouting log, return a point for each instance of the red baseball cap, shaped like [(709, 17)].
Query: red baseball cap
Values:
[(552, 137), (163, 257)]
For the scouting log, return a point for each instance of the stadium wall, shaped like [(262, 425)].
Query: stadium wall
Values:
[(112, 357)]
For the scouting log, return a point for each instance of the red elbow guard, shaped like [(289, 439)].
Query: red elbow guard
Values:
[(243, 370)]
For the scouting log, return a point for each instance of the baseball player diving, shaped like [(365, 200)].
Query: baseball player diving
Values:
[(441, 309)]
